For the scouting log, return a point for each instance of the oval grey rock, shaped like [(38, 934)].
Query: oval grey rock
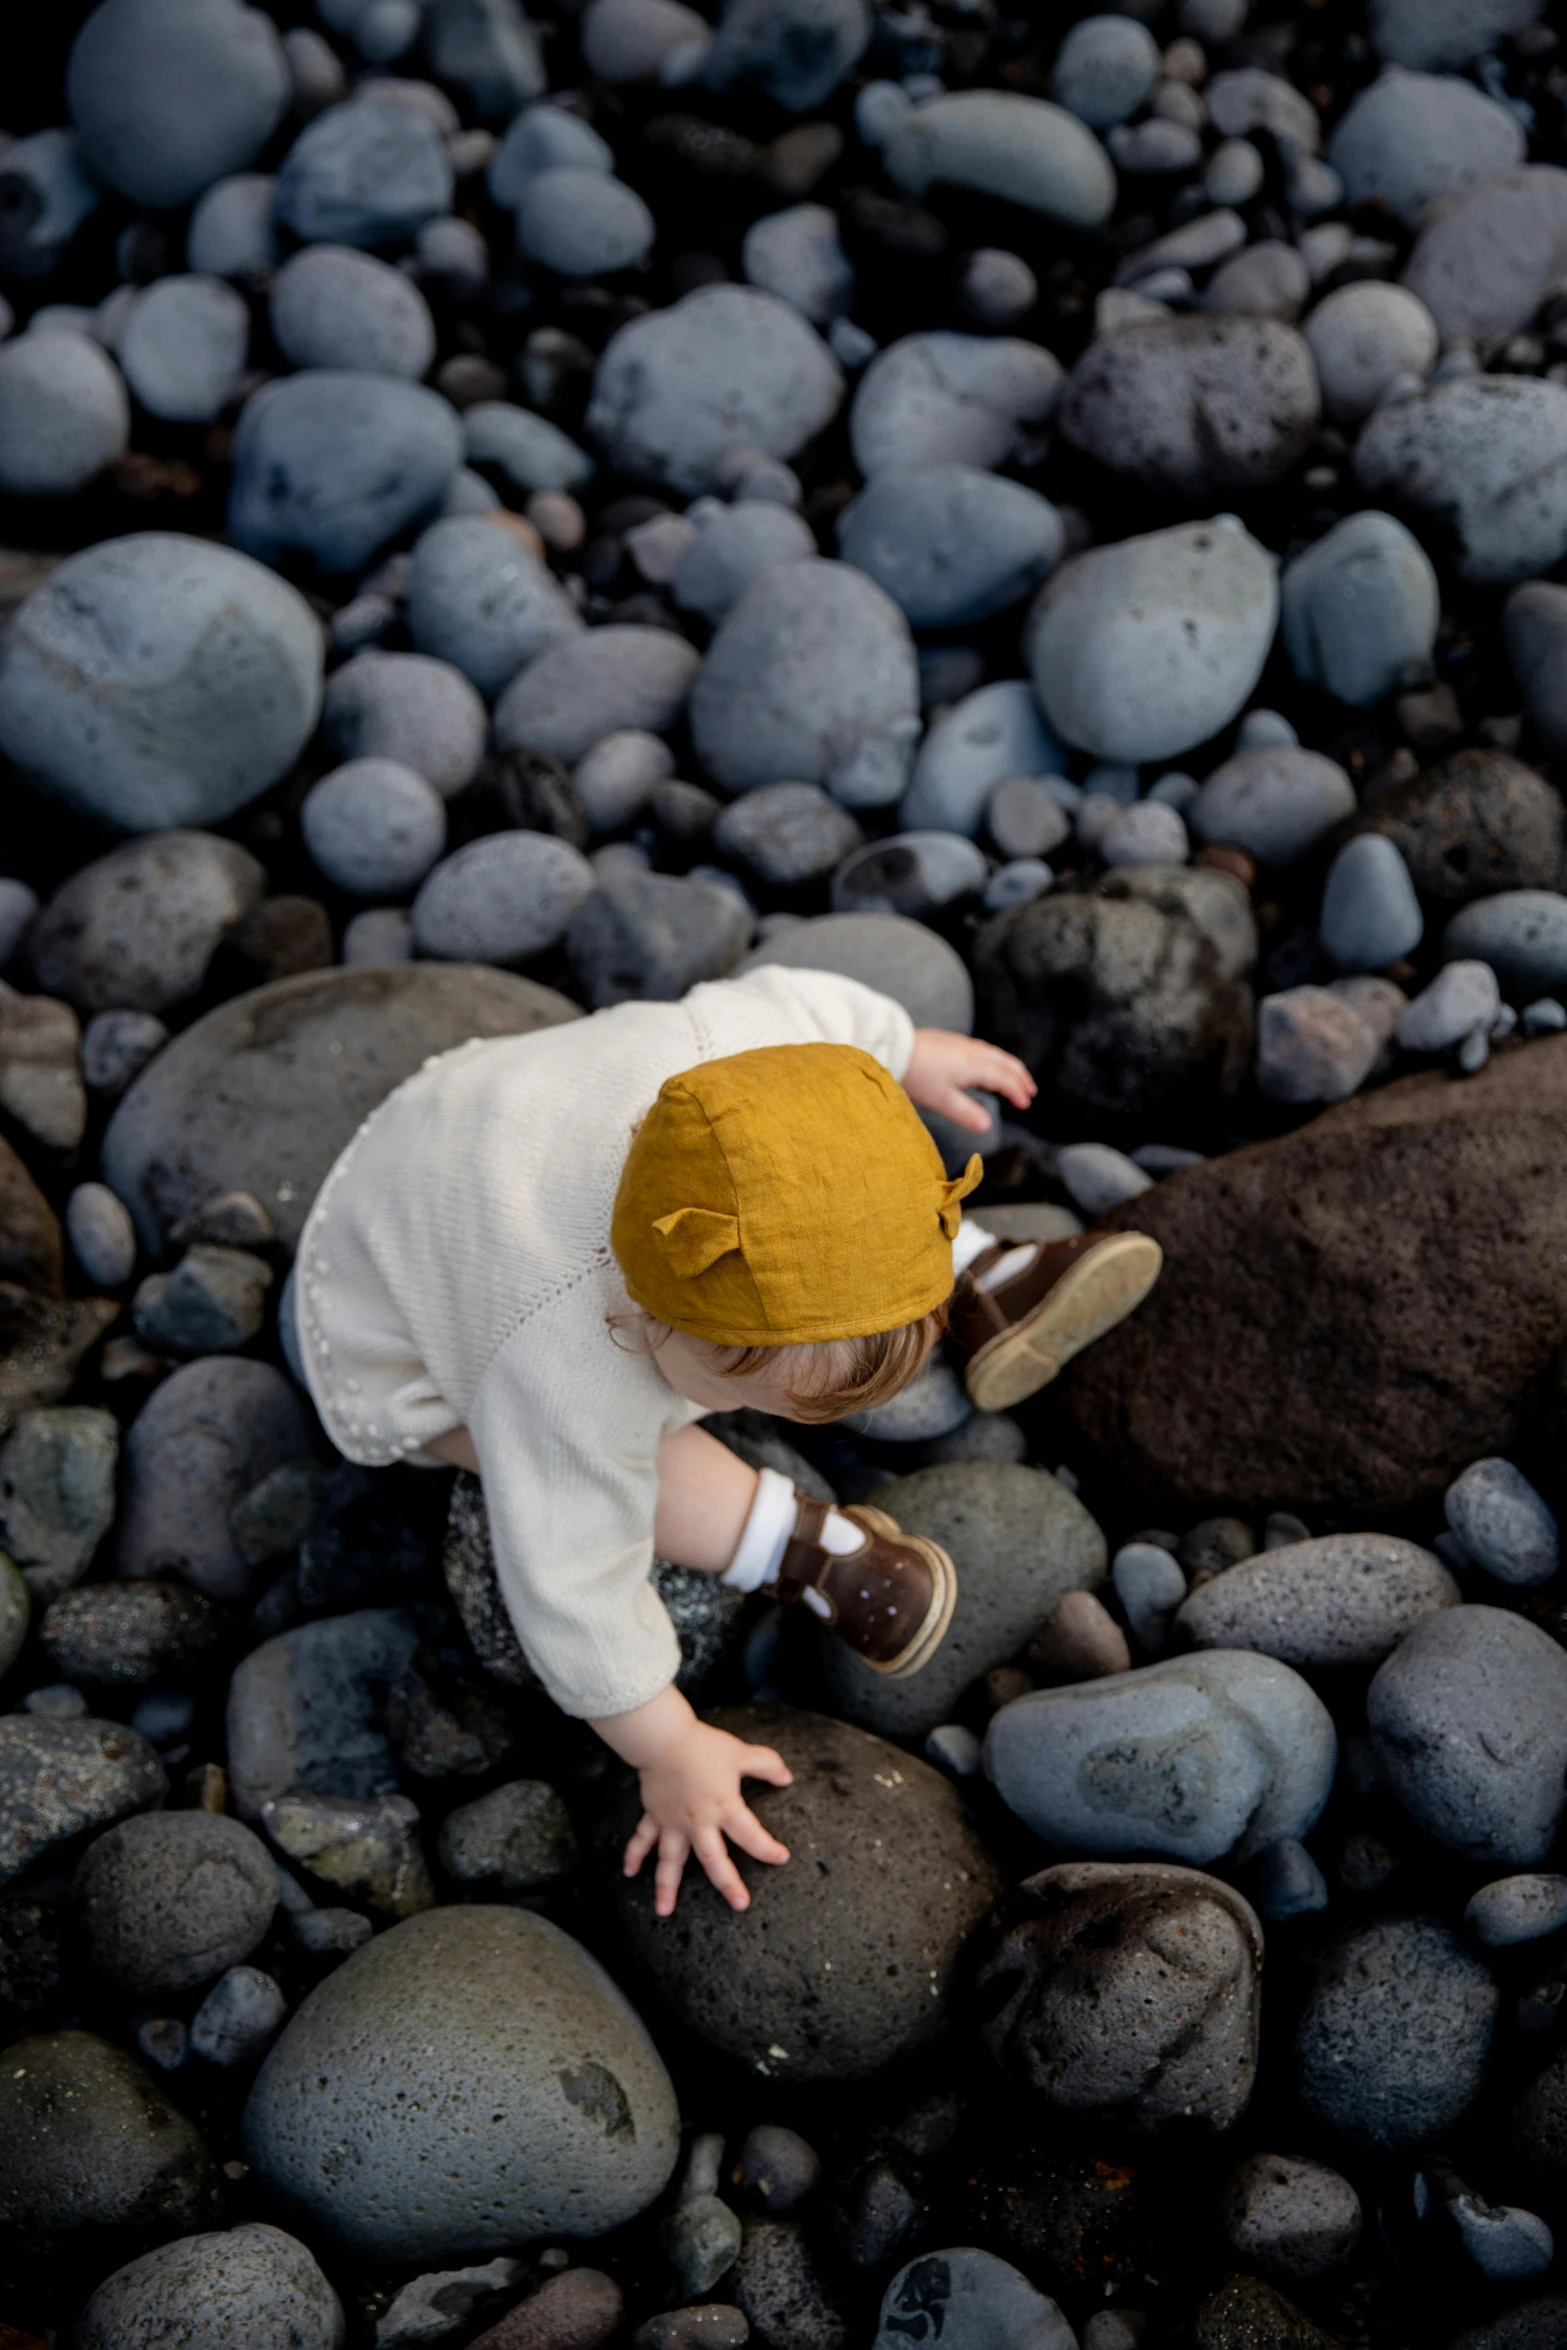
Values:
[(1469, 1720), (1141, 649), (457, 2012), (331, 463), (948, 399), (1360, 608), (502, 899), (811, 677), (159, 680), (1019, 1541), (1393, 2043), (136, 929), (61, 1775), (410, 707), (208, 1433), (1412, 139), (332, 306), (999, 143), (250, 2284), (1195, 1757), (1521, 933), (726, 368), (262, 1094), (583, 687), (366, 173), (64, 415), (1276, 802), (1484, 456), (170, 95), (583, 223), (1484, 261), (1340, 1599), (168, 1900), (480, 601), (951, 544), (90, 2143), (902, 958)]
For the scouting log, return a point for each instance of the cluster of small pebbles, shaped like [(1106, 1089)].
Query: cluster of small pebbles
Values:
[(508, 511)]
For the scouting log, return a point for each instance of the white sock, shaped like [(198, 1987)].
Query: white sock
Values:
[(1016, 1260), (972, 1242), (765, 1535)]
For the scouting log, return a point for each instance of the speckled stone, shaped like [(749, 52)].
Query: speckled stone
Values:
[(60, 1776), (1019, 1541), (1128, 1991), (1340, 1599), (1294, 2218), (167, 1900), (886, 1882), (250, 2284), (92, 2151), (1392, 2046), (131, 1634), (209, 1433), (408, 2052)]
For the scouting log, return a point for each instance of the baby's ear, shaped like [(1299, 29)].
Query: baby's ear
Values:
[(693, 1238)]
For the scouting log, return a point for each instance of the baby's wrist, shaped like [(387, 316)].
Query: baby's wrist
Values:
[(645, 1735)]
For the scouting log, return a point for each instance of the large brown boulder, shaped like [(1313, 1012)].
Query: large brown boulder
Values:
[(1351, 1314)]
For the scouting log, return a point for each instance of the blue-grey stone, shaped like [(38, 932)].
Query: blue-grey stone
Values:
[(64, 415), (787, 834), (797, 255), (62, 1776), (366, 173), (233, 230), (1360, 608), (1485, 260), (583, 223), (1469, 1719), (544, 138), (1366, 338), (724, 369), (1393, 2043), (1412, 139), (1285, 1882), (501, 899), (332, 306), (532, 453), (1146, 832), (193, 2290), (490, 50), (811, 679), (949, 543), (170, 95), (462, 2009), (909, 873), (1534, 629), (1098, 1177), (1195, 1758), (1105, 69), (1334, 1600), (238, 2018), (1141, 649), (306, 1709), (1461, 998), (184, 348), (1521, 933), (136, 929), (1150, 1586), (1275, 802), (1504, 1525), (969, 2300), (1483, 456), (1022, 815), (1370, 913), (648, 937), (479, 600), (1234, 175), (599, 681), (1504, 2243), (331, 464), (1517, 1909), (998, 143), (1248, 98), (795, 52), (410, 707), (992, 734), (1432, 33), (50, 193), (159, 680), (734, 546), (950, 399), (373, 827), (904, 959)]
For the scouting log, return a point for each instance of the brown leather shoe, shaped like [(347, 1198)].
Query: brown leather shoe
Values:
[(891, 1600), (1017, 1337)]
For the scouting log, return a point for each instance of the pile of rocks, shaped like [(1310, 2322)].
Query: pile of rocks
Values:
[(513, 510)]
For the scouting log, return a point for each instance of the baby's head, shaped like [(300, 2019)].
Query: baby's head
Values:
[(784, 1225)]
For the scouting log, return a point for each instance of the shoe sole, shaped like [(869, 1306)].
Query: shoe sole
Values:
[(1089, 1299), (944, 1594)]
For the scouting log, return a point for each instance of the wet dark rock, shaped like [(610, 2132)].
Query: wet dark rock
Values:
[(1478, 822), (60, 1777), (132, 1635), (168, 1900)]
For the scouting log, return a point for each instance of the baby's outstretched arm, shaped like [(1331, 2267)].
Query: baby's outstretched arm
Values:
[(691, 1776), (943, 1066)]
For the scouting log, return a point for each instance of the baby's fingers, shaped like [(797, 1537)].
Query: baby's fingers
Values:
[(742, 1827), (761, 1762), (964, 1110), (642, 1843), (713, 1853), (674, 1847)]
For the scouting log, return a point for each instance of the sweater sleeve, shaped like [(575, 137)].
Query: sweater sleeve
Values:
[(802, 1007), (571, 1522)]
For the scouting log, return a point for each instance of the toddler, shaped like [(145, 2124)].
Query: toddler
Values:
[(546, 1258)]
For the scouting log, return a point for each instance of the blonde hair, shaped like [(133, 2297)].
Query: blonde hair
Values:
[(824, 1380)]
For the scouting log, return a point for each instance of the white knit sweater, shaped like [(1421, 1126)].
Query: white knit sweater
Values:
[(456, 1271)]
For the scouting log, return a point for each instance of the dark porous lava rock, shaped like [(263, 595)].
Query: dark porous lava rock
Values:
[(1350, 1315), (845, 1958), (263, 1094), (1478, 822), (1128, 1001), (1246, 2314)]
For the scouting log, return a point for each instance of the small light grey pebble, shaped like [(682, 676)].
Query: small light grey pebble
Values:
[(373, 827), (954, 1748), (1098, 1177), (1517, 1909), (1503, 1523), (239, 2017), (1150, 1587), (102, 1236)]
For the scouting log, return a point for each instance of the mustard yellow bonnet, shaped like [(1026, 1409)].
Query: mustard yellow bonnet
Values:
[(783, 1196)]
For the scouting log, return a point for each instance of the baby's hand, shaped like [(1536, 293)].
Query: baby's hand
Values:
[(691, 1776), (942, 1066)]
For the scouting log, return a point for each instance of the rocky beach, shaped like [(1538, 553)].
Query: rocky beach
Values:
[(1063, 517)]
